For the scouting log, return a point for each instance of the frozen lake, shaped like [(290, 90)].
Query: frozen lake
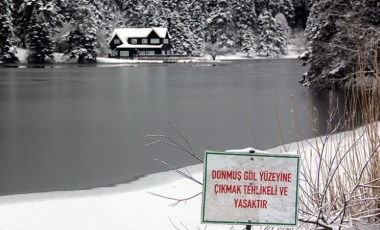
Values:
[(83, 127)]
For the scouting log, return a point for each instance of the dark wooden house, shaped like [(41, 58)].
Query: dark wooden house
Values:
[(137, 42)]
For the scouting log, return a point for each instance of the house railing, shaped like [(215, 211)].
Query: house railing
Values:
[(162, 56)]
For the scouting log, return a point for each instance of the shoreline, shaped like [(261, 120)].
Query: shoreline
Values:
[(60, 60), (136, 63)]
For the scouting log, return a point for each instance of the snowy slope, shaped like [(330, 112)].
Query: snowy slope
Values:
[(127, 206)]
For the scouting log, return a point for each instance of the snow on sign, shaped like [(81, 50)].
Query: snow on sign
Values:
[(251, 189)]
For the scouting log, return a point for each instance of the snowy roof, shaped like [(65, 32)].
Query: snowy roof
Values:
[(125, 33)]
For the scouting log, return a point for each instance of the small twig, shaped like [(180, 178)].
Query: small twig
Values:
[(177, 200), (164, 138), (184, 225), (316, 222), (173, 224), (187, 175)]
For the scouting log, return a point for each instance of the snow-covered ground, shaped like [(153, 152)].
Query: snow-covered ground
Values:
[(103, 60), (292, 54), (128, 206), (60, 58)]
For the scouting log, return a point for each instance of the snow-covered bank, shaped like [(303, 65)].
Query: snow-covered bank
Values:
[(292, 54), (103, 60), (59, 58), (128, 206)]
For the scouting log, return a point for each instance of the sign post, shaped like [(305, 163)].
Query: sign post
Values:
[(250, 189)]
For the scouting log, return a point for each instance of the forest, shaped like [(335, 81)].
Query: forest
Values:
[(339, 32)]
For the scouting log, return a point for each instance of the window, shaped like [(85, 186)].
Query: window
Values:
[(124, 53), (144, 41), (154, 41), (150, 52), (114, 53), (116, 41), (146, 52), (134, 41), (166, 41)]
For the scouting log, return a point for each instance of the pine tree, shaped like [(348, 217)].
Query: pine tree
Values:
[(170, 5), (244, 17), (211, 5), (104, 13), (220, 28), (183, 41), (24, 13), (276, 6), (286, 8), (197, 24), (65, 9), (153, 15), (339, 41), (301, 12), (7, 49), (248, 42), (38, 39), (197, 19), (271, 37), (82, 39), (132, 10)]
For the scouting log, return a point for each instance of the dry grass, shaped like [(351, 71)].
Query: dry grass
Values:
[(341, 171)]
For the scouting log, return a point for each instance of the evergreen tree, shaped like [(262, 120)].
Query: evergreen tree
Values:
[(170, 5), (197, 19), (65, 9), (132, 10), (82, 39), (286, 8), (24, 13), (176, 17), (244, 17), (197, 24), (271, 37), (248, 42), (211, 5), (153, 15), (38, 39), (183, 41), (7, 49), (104, 13), (301, 12), (276, 6), (339, 41), (220, 28), (183, 6)]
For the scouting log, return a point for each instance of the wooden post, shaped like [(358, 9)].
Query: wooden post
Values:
[(248, 227)]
